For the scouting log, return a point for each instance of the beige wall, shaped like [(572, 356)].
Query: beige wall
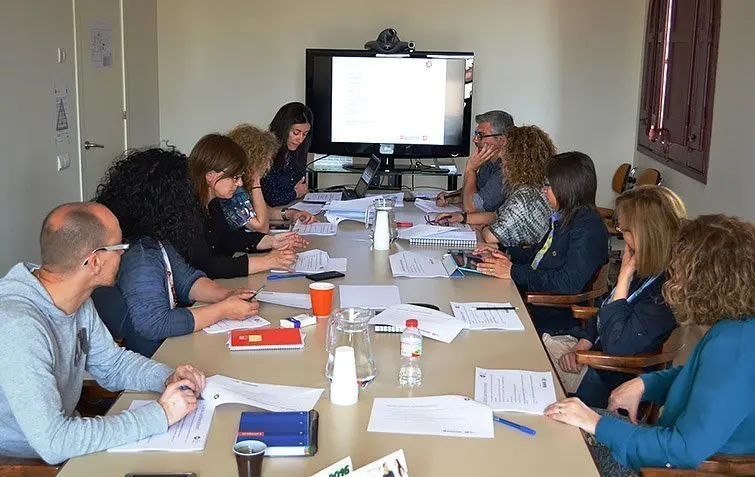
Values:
[(30, 33), (570, 66), (730, 188)]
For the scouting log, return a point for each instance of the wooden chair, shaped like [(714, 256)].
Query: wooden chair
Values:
[(15, 467), (597, 287), (637, 364), (623, 179), (649, 177), (715, 465)]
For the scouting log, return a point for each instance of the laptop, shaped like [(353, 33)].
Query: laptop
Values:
[(360, 190)]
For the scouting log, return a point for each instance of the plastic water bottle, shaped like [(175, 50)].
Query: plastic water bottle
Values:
[(410, 374)]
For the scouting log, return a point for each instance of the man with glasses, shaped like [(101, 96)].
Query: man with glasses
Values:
[(484, 187), (50, 334)]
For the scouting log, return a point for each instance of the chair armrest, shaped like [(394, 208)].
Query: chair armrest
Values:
[(583, 313), (605, 212), (562, 301), (634, 364), (659, 472), (27, 467)]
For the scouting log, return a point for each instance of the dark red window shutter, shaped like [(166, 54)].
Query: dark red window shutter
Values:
[(651, 76)]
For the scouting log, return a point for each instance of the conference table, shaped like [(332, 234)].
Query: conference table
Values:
[(557, 449)]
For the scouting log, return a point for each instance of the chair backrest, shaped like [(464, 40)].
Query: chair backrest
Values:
[(622, 178), (17, 467), (649, 177), (717, 465)]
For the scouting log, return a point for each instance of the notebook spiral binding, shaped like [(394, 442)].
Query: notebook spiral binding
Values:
[(444, 242), (388, 329)]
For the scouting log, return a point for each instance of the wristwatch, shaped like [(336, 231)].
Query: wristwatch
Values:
[(283, 213), (463, 217)]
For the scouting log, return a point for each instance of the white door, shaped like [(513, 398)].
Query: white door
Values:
[(100, 88)]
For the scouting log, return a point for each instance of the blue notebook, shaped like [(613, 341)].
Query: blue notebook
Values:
[(285, 433)]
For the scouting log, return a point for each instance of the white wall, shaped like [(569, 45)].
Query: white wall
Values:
[(730, 188), (30, 33), (141, 80), (571, 67)]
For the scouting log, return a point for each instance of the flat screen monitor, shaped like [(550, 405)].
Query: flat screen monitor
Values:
[(414, 105)]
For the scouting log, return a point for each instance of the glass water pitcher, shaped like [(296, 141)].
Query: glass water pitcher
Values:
[(350, 327)]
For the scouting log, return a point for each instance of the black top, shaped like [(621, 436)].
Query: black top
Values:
[(214, 248)]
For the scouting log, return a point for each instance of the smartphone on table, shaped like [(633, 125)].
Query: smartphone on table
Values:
[(466, 260)]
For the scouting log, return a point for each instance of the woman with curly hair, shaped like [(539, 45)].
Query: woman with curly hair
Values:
[(247, 207), (634, 319), (523, 217), (286, 181), (708, 405)]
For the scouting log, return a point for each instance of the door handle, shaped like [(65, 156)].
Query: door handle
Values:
[(88, 145)]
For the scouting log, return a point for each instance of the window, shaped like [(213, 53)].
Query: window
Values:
[(679, 73)]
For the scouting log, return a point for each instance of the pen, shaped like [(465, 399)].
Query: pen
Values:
[(255, 293), (519, 427), (285, 275), (492, 308)]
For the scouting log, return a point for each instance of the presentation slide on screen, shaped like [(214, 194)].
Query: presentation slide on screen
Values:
[(396, 100)]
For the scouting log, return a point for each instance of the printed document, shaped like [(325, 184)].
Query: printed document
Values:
[(313, 209), (316, 260), (432, 324), (316, 228), (429, 206), (322, 196), (450, 416), (292, 300), (398, 198), (224, 326), (271, 397), (392, 464), (422, 231), (415, 265), (513, 390), (373, 297), (477, 319), (187, 435)]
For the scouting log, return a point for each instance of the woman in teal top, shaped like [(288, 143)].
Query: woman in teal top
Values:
[(709, 403)]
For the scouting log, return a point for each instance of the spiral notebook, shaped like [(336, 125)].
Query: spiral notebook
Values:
[(270, 338), (451, 239)]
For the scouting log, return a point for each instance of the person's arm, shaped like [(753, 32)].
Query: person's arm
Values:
[(143, 283), (658, 383), (586, 253), (510, 222), (29, 384), (589, 332), (262, 221), (491, 193), (523, 254), (469, 189), (720, 399), (230, 241)]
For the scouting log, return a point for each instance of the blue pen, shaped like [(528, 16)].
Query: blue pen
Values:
[(285, 275), (520, 427)]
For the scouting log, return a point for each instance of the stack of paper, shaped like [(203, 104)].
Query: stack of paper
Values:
[(316, 228), (477, 318), (432, 323), (509, 390), (373, 297), (224, 326), (398, 197), (322, 197), (313, 209), (430, 207), (339, 210), (450, 416), (315, 261), (422, 231), (293, 300), (271, 397)]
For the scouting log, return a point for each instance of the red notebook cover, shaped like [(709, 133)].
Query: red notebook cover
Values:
[(268, 338)]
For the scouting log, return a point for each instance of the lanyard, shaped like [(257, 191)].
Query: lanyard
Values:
[(172, 295), (630, 299), (541, 253)]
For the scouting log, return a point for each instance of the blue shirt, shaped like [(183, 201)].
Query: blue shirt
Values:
[(491, 187), (143, 292), (279, 184), (708, 405)]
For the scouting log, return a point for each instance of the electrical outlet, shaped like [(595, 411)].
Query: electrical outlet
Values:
[(61, 55), (63, 161)]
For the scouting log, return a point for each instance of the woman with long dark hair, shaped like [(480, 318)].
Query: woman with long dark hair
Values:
[(286, 181), (570, 253)]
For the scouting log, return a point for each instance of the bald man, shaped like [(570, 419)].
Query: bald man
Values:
[(50, 334)]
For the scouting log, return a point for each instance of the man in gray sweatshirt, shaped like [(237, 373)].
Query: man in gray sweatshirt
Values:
[(50, 334)]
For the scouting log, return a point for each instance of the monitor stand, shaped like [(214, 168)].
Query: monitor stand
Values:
[(388, 165)]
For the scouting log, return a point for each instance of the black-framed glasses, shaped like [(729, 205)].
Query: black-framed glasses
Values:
[(481, 135), (107, 248), (546, 185)]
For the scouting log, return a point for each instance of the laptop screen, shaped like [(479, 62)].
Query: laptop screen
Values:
[(367, 175)]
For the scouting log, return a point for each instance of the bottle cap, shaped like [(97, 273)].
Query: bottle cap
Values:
[(411, 323)]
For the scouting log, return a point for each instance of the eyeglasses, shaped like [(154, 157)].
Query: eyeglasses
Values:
[(107, 248), (482, 135), (546, 185)]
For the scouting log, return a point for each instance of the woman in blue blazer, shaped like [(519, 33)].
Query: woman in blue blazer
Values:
[(708, 404), (572, 251), (634, 318)]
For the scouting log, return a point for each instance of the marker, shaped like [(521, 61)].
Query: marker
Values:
[(255, 293), (516, 426), (285, 275), (403, 224), (493, 308)]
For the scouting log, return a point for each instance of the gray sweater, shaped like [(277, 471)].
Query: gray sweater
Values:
[(43, 355)]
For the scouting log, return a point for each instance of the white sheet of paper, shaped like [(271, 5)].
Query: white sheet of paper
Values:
[(373, 297), (271, 397), (398, 197), (422, 231), (313, 209), (430, 207), (292, 300), (315, 261), (356, 205), (450, 416), (415, 265), (487, 319), (429, 194), (432, 323), (322, 196), (316, 228), (510, 390), (342, 467), (394, 462), (224, 326), (187, 435)]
